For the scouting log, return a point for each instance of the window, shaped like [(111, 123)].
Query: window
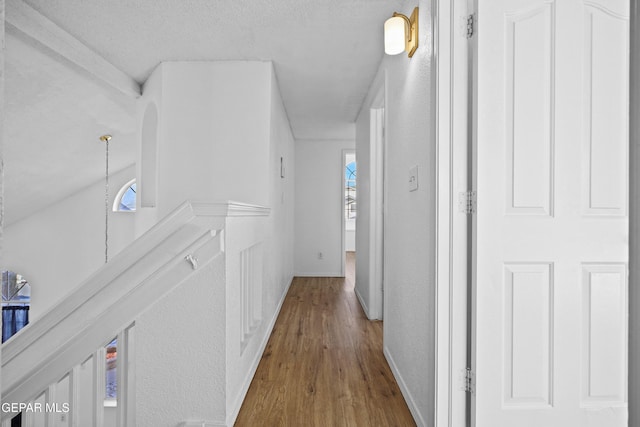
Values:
[(16, 299), (126, 198), (350, 191), (111, 373)]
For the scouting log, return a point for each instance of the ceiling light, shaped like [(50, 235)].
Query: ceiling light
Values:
[(401, 33)]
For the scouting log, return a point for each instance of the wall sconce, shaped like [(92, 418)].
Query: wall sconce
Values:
[(401, 34)]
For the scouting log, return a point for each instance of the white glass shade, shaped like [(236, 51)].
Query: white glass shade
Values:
[(394, 36)]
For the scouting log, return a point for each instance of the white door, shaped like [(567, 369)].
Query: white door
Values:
[(552, 226)]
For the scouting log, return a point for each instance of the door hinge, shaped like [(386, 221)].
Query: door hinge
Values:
[(467, 202), (470, 25), (468, 384)]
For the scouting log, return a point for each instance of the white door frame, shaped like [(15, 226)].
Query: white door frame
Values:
[(634, 217), (453, 121), (377, 185)]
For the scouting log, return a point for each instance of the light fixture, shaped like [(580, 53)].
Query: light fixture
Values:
[(401, 34)]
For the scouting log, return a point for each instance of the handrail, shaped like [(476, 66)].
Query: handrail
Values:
[(114, 296)]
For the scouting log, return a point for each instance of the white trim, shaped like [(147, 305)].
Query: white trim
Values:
[(110, 403), (377, 182), (363, 304), (323, 274), (202, 424), (234, 410), (634, 219), (452, 123), (413, 408), (442, 39), (385, 196), (27, 22), (228, 209)]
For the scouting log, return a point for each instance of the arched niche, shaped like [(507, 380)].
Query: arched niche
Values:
[(148, 185)]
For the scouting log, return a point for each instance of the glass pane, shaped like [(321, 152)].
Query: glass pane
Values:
[(350, 191), (128, 201), (16, 299), (111, 380), (15, 288)]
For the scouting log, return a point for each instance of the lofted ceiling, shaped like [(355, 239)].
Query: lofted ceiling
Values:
[(325, 55), (53, 118)]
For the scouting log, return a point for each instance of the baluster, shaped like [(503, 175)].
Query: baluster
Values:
[(49, 398), (98, 386), (121, 380), (28, 419), (126, 392), (74, 385), (130, 394)]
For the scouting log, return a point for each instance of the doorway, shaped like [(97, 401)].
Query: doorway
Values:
[(350, 206)]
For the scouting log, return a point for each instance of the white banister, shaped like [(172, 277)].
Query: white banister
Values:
[(60, 358)]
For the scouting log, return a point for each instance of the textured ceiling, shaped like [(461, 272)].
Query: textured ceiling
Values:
[(325, 53)]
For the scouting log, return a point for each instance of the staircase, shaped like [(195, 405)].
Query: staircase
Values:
[(53, 371)]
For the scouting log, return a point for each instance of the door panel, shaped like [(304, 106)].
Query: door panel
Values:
[(552, 227)]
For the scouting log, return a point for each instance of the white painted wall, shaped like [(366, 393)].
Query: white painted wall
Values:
[(276, 234), (280, 233), (58, 247), (183, 376), (409, 317), (221, 134), (213, 135), (363, 220), (319, 206)]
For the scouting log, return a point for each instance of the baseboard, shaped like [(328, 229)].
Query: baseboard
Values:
[(417, 416), (202, 424), (364, 306), (235, 409), (323, 274)]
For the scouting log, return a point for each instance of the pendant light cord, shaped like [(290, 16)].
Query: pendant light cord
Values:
[(106, 139)]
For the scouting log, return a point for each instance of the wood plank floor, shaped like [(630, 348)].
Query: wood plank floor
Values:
[(323, 365)]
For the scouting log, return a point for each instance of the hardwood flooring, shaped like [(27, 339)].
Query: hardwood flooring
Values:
[(323, 365)]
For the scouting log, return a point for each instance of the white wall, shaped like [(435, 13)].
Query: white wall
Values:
[(213, 133), (222, 131), (363, 220), (183, 376), (319, 206), (280, 234), (409, 317), (277, 257), (58, 247)]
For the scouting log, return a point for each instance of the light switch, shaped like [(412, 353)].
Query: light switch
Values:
[(413, 178)]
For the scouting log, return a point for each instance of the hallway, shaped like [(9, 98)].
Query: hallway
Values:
[(323, 365)]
